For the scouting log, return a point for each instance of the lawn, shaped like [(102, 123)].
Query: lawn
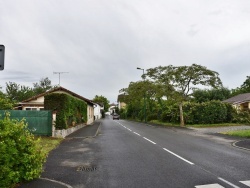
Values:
[(240, 133), (49, 143)]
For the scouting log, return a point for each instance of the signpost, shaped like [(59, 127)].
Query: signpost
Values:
[(2, 49)]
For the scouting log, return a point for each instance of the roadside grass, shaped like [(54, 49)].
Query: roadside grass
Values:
[(214, 125), (195, 125), (239, 133), (49, 143)]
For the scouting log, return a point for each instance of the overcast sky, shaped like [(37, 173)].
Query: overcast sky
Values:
[(101, 42)]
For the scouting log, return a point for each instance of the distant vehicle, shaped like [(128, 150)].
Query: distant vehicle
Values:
[(116, 116)]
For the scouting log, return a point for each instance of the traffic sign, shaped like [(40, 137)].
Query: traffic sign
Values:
[(2, 49)]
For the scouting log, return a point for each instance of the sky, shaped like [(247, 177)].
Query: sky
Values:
[(100, 43)]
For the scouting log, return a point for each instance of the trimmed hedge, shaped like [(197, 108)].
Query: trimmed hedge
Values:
[(211, 112), (69, 109), (21, 156)]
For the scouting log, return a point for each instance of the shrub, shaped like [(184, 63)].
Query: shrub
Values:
[(21, 156)]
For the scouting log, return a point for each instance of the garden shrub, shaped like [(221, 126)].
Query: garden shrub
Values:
[(211, 112), (241, 117), (21, 156)]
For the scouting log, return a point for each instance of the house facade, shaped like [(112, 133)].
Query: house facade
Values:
[(240, 102), (37, 102), (98, 108), (120, 101)]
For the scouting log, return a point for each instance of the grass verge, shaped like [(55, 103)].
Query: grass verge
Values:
[(240, 133), (49, 143), (195, 125)]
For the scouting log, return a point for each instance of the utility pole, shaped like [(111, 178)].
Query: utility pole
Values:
[(144, 106), (59, 75)]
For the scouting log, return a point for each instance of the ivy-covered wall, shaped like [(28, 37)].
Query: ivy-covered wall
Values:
[(70, 110)]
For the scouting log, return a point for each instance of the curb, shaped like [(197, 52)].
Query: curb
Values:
[(234, 145), (61, 183), (97, 131)]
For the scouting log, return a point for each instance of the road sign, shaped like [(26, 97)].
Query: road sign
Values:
[(2, 49)]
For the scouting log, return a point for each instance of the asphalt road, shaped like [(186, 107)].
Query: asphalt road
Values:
[(129, 154)]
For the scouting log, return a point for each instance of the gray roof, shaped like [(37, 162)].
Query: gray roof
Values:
[(241, 98)]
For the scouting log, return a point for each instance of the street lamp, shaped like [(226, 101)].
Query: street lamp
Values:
[(144, 106)]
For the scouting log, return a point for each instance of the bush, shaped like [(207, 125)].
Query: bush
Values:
[(211, 112), (241, 117), (21, 156)]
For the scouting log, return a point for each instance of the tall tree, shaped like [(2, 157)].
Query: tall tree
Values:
[(102, 100), (244, 88), (43, 86), (180, 81), (17, 92)]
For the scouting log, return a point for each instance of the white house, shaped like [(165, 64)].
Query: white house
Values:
[(98, 108), (37, 102)]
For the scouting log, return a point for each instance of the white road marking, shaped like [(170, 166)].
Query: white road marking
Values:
[(227, 182), (129, 129), (178, 156), (216, 185), (137, 133), (246, 182), (149, 140)]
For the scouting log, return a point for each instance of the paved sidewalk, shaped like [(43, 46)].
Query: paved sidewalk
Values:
[(64, 151)]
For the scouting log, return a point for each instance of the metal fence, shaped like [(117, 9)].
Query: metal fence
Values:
[(39, 122)]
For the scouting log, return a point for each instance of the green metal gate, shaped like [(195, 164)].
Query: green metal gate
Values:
[(39, 122)]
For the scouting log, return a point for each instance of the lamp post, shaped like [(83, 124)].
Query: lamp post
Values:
[(144, 106)]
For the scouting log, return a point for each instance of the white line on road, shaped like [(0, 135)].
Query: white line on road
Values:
[(149, 140), (216, 185), (178, 156), (129, 129), (246, 183), (227, 182), (137, 133)]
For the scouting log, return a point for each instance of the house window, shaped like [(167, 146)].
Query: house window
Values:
[(30, 108)]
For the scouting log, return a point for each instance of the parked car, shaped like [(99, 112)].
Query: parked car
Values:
[(116, 116)]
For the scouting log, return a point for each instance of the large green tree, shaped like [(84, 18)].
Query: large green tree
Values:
[(244, 88), (42, 86), (179, 81), (17, 92), (102, 100)]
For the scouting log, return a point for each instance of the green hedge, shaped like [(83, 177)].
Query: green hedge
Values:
[(21, 157), (69, 109), (211, 112)]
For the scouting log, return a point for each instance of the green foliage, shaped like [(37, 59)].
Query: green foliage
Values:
[(102, 100), (43, 86), (211, 112), (244, 88), (17, 92), (68, 109), (205, 95), (5, 103), (241, 117), (21, 156)]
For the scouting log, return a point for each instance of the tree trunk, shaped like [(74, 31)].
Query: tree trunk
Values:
[(182, 124)]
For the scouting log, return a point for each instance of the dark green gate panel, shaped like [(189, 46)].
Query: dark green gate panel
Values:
[(39, 122)]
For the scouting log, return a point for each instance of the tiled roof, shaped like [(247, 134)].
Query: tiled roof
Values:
[(241, 98), (59, 89)]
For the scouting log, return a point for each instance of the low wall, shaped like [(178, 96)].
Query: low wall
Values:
[(65, 132)]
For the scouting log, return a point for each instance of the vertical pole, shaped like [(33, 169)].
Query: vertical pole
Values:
[(144, 100)]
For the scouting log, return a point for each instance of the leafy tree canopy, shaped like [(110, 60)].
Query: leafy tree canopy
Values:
[(102, 100), (180, 81)]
